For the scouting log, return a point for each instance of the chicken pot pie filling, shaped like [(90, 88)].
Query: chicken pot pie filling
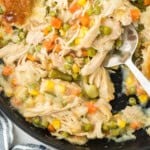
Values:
[(52, 65)]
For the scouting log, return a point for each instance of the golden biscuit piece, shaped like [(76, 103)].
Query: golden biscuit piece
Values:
[(17, 10)]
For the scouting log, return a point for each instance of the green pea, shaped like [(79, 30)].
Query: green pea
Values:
[(67, 66), (76, 76), (56, 74), (52, 13), (115, 132), (87, 127), (105, 30), (36, 121), (1, 10), (90, 11), (91, 52), (44, 124), (64, 134), (21, 35), (97, 10), (69, 59), (118, 43), (38, 48), (132, 101), (86, 60), (66, 27), (105, 127), (91, 91), (112, 124)]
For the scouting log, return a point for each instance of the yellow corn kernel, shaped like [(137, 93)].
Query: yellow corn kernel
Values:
[(33, 92), (75, 68), (1, 36), (77, 41), (83, 32), (117, 115), (81, 2), (61, 88), (143, 98), (47, 30), (56, 124), (129, 81), (121, 124), (50, 85)]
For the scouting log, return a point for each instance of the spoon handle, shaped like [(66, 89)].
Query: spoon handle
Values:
[(145, 83)]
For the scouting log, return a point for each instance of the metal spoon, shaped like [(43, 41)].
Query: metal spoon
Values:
[(128, 48)]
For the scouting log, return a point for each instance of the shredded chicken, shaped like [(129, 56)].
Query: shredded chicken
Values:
[(134, 114), (106, 42), (95, 63), (12, 52), (53, 66)]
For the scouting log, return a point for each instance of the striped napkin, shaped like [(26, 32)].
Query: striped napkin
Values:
[(6, 137)]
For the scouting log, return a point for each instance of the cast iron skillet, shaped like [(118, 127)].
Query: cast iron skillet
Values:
[(141, 143)]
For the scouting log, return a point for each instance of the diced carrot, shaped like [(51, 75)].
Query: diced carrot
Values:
[(50, 44), (30, 57), (135, 14), (46, 31), (57, 48), (7, 71), (14, 81), (56, 23), (75, 92), (85, 20), (73, 8), (146, 2), (51, 128), (84, 53), (91, 107), (135, 125)]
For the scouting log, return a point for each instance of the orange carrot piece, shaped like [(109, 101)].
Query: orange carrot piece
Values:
[(45, 31), (57, 48), (91, 107), (85, 20), (14, 81), (135, 14), (49, 45), (84, 53), (7, 71), (75, 92), (73, 8), (146, 2), (56, 23), (51, 128), (30, 57), (135, 125)]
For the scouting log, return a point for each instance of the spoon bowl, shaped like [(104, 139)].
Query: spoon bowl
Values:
[(130, 42)]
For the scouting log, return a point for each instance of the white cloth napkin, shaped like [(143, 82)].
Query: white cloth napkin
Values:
[(6, 137)]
